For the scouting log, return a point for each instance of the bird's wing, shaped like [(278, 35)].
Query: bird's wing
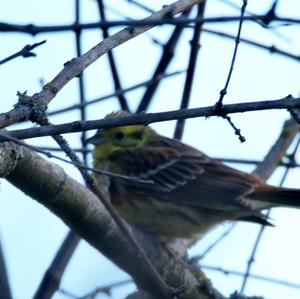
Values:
[(183, 176)]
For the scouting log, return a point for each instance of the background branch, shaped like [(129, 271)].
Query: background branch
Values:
[(5, 291), (278, 150), (77, 65)]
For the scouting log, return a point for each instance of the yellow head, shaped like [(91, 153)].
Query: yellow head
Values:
[(109, 140)]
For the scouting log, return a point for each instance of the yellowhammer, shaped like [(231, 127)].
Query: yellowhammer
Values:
[(189, 194)]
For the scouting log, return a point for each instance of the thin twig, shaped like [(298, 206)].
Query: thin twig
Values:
[(33, 29), (237, 41), (201, 256), (106, 289), (25, 52), (253, 276), (221, 159), (223, 91), (272, 49), (237, 7), (147, 118), (4, 135), (255, 162)]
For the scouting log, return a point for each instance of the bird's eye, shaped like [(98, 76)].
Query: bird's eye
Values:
[(119, 135)]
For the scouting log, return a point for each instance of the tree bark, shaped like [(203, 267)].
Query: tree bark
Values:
[(79, 208)]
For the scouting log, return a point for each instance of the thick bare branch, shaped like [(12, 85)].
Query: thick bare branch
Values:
[(81, 210)]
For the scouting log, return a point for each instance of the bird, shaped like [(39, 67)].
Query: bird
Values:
[(180, 193)]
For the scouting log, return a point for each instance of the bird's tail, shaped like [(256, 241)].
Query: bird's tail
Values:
[(269, 196)]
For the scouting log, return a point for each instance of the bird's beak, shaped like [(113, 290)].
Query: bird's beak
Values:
[(96, 139)]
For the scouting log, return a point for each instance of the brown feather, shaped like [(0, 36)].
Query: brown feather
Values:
[(190, 176), (190, 192)]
